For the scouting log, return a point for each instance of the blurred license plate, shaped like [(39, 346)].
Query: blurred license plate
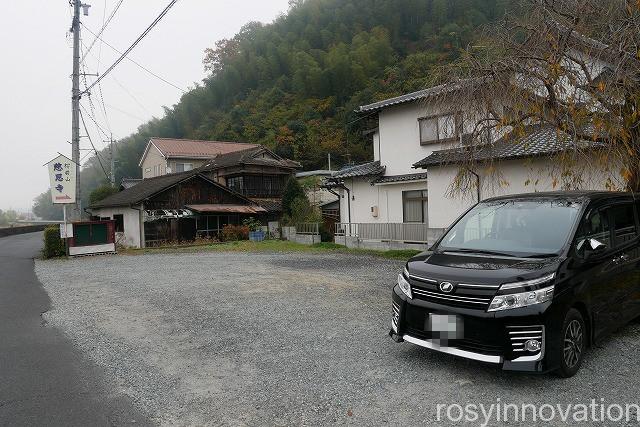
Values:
[(445, 326)]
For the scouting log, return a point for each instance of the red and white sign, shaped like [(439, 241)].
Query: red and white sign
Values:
[(62, 176)]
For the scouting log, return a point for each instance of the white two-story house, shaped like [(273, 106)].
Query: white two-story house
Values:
[(404, 193)]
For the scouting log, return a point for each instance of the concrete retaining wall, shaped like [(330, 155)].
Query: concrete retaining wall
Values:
[(386, 245), (11, 231)]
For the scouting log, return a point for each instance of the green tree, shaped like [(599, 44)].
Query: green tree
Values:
[(101, 192), (45, 209), (292, 191)]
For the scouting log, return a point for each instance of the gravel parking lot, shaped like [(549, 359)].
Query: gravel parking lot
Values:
[(285, 339)]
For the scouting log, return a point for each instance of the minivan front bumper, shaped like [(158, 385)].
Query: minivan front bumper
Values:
[(496, 338)]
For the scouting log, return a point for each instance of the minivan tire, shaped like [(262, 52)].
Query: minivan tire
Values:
[(572, 346)]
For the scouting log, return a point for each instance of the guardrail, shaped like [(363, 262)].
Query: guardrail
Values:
[(393, 232)]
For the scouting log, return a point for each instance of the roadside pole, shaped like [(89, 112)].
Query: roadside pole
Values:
[(66, 239)]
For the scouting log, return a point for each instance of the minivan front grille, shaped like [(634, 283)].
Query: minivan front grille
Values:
[(474, 296), (518, 335)]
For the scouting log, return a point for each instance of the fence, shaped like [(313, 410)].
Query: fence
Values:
[(391, 232), (308, 228)]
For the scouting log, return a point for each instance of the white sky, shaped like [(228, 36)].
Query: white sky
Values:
[(35, 46)]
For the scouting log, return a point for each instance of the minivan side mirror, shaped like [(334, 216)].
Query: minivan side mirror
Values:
[(591, 248)]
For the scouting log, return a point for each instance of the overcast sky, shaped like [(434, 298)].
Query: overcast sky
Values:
[(36, 48)]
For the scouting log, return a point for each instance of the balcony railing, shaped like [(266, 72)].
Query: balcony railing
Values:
[(393, 232)]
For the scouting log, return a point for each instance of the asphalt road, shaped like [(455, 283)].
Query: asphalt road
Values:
[(206, 338), (43, 378)]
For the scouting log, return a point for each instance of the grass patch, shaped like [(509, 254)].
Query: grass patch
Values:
[(274, 246)]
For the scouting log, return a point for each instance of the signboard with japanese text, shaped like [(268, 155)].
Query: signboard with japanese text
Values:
[(62, 176)]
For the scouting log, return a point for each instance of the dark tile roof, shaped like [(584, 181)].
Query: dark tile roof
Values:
[(148, 187), (418, 95), (401, 178), (537, 142), (129, 182), (365, 169), (271, 205), (250, 156), (144, 189)]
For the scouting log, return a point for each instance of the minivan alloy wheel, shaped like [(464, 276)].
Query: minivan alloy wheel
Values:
[(573, 345)]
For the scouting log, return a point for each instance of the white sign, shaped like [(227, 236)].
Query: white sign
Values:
[(66, 231), (62, 176)]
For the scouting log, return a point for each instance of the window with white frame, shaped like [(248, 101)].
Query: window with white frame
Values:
[(440, 128), (414, 206)]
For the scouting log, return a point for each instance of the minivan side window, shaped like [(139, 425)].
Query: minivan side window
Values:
[(595, 226), (624, 224)]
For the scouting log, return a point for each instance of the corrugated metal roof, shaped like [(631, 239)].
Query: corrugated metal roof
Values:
[(538, 141), (218, 208)]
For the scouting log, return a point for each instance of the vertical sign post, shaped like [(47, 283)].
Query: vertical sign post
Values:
[(62, 178)]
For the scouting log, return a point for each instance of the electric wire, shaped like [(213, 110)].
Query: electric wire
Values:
[(135, 62), (104, 26), (133, 45), (92, 145)]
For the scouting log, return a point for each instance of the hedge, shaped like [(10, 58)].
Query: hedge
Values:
[(53, 244)]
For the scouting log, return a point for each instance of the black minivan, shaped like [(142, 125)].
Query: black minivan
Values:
[(525, 281)]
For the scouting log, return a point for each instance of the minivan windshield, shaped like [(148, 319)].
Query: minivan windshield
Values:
[(518, 228)]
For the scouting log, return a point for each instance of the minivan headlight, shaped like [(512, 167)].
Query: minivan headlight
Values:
[(404, 284), (522, 299)]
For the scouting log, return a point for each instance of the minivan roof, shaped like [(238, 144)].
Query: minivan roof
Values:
[(577, 194)]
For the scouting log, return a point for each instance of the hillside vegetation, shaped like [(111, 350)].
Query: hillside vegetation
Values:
[(294, 84)]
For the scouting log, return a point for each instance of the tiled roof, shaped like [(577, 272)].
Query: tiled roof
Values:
[(418, 95), (129, 182), (189, 148), (148, 187), (537, 142), (250, 156), (401, 178), (270, 205), (365, 169)]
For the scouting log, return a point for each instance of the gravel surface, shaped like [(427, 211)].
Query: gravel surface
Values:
[(285, 339)]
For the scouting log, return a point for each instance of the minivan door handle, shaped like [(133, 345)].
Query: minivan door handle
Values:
[(620, 259)]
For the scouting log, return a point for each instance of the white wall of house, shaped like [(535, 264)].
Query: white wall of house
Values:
[(131, 222), (385, 198), (397, 142), (519, 176)]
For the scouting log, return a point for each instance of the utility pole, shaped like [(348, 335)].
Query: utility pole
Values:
[(75, 105), (112, 176)]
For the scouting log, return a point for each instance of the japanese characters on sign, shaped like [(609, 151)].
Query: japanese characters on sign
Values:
[(62, 176)]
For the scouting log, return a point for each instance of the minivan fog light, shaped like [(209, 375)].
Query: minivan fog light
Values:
[(523, 299), (404, 285), (532, 345)]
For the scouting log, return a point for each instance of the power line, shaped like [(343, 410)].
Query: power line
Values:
[(134, 44), (104, 26), (93, 119), (136, 63), (94, 147)]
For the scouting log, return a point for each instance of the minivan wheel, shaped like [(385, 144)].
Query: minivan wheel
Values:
[(573, 343)]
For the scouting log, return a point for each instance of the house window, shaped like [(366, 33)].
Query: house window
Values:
[(236, 183), (441, 128), (119, 219), (184, 167), (414, 206)]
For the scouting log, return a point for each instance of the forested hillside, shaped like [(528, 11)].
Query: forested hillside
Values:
[(293, 84)]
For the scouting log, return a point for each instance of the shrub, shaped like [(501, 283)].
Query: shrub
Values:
[(53, 244), (325, 234), (235, 232), (292, 191), (252, 223)]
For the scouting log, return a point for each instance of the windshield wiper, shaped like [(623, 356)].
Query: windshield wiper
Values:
[(477, 251), (542, 256)]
